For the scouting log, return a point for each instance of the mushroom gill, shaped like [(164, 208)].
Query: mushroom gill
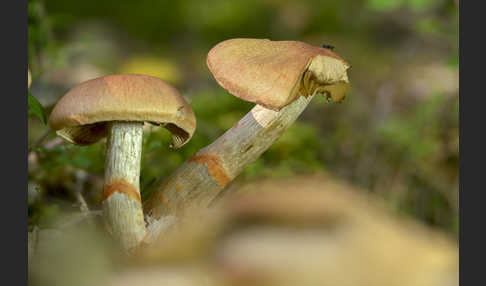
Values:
[(325, 75)]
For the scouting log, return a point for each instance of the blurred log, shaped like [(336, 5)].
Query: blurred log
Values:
[(173, 276), (76, 256), (308, 231)]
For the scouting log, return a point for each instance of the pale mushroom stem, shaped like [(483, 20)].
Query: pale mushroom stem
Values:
[(122, 207), (203, 176)]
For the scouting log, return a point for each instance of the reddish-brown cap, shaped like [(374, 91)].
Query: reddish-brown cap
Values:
[(81, 115), (274, 73)]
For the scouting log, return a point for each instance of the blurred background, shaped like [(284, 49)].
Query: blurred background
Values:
[(396, 135)]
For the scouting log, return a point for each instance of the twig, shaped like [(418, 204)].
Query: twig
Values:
[(78, 188)]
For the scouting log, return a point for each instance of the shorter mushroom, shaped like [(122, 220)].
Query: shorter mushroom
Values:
[(116, 106)]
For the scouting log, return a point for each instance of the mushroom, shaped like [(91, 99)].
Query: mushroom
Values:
[(281, 77), (274, 73), (116, 106)]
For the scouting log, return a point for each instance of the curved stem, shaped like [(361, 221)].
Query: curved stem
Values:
[(202, 177), (122, 207)]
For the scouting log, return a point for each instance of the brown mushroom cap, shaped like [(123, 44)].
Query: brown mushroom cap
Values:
[(81, 115), (275, 73)]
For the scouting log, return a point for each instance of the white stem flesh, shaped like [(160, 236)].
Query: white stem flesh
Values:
[(122, 207)]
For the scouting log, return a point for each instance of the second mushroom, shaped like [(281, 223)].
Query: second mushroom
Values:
[(281, 77)]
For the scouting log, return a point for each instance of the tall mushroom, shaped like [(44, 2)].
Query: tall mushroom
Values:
[(281, 77), (116, 106)]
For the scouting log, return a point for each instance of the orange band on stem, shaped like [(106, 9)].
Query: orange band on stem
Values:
[(215, 169), (121, 186)]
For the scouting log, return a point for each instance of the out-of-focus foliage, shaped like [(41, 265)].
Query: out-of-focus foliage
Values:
[(38, 29), (388, 5), (154, 66), (396, 134)]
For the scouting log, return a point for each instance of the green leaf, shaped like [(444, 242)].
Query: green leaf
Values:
[(35, 108)]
